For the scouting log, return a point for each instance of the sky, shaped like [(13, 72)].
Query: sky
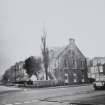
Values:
[(22, 23)]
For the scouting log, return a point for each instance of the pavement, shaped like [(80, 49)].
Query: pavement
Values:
[(64, 86), (5, 89)]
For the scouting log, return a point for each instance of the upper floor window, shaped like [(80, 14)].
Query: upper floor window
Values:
[(101, 68), (74, 63), (74, 74), (82, 64), (65, 62)]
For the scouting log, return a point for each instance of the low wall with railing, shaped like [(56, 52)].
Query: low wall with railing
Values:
[(41, 83)]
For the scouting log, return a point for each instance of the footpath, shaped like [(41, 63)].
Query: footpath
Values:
[(5, 89), (53, 87)]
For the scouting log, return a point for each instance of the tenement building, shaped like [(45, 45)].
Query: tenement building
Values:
[(68, 64), (97, 67)]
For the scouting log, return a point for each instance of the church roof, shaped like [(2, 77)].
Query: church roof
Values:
[(57, 51)]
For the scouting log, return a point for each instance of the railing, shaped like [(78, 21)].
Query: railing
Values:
[(40, 83)]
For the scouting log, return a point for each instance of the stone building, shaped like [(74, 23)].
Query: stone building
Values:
[(68, 64)]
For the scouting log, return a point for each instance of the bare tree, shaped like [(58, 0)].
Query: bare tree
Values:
[(45, 53)]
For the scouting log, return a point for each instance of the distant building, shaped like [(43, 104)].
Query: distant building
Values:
[(95, 71), (68, 64), (98, 60), (97, 67)]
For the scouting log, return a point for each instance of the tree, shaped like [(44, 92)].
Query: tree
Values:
[(45, 54), (13, 73), (5, 77), (32, 65)]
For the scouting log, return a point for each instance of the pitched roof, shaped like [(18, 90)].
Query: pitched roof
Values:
[(57, 51)]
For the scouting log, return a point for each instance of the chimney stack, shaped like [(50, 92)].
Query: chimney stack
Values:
[(71, 40)]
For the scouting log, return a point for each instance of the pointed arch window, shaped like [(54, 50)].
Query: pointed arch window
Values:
[(65, 62), (82, 64)]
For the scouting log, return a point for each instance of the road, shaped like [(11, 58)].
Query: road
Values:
[(54, 96)]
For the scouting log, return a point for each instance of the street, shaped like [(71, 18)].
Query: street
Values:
[(54, 96)]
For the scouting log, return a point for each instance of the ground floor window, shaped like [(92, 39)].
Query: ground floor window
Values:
[(83, 80), (74, 74), (66, 78), (75, 80)]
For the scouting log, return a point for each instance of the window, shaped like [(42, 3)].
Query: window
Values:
[(66, 74), (82, 64), (73, 63), (92, 70), (65, 63), (66, 78), (101, 68), (93, 75), (74, 74), (83, 80), (75, 80), (96, 69)]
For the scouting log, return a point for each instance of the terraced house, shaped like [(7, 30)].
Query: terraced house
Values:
[(97, 67), (68, 64)]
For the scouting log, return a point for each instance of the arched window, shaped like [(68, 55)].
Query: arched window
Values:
[(82, 64)]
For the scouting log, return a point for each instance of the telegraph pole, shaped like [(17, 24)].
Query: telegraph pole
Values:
[(15, 73), (98, 68)]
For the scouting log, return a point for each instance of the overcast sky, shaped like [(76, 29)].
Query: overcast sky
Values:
[(22, 22)]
